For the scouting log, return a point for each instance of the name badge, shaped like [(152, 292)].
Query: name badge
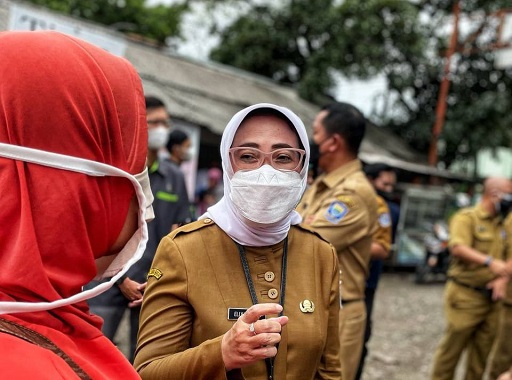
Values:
[(235, 312)]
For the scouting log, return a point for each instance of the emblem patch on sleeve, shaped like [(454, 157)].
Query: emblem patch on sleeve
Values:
[(336, 212), (348, 200), (384, 220), (156, 273)]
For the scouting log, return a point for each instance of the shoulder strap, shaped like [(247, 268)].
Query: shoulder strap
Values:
[(34, 337)]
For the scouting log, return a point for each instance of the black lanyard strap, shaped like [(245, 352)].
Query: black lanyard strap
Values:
[(245, 265)]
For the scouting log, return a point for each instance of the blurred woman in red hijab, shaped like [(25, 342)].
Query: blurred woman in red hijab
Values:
[(73, 139)]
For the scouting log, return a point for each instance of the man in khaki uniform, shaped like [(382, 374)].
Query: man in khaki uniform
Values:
[(500, 359), (341, 206), (476, 280)]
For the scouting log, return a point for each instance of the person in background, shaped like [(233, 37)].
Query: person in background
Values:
[(246, 292), (171, 208), (178, 146), (212, 192), (500, 359), (73, 147), (477, 279), (383, 179), (341, 206)]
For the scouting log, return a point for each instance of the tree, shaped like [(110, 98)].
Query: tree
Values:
[(134, 16), (304, 43)]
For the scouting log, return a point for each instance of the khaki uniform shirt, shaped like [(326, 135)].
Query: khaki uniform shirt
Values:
[(475, 228), (341, 207), (197, 276), (507, 224), (382, 234)]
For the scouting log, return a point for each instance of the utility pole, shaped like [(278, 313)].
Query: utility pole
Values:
[(444, 88)]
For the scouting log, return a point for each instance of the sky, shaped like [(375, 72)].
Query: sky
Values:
[(198, 43)]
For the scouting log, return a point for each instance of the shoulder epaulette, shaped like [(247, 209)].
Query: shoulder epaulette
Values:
[(193, 226), (306, 228)]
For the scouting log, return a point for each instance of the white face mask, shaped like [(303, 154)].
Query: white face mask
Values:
[(132, 251), (266, 195), (158, 137)]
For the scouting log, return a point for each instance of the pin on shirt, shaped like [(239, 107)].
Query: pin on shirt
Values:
[(307, 306)]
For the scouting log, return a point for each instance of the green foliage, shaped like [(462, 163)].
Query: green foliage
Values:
[(134, 16), (303, 42)]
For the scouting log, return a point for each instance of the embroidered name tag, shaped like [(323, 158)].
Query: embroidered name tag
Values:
[(235, 312)]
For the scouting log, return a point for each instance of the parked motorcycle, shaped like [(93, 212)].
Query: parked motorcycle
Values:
[(437, 255)]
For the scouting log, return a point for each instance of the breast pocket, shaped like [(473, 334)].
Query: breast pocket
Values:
[(484, 240)]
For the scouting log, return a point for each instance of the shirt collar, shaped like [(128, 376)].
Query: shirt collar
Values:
[(338, 175)]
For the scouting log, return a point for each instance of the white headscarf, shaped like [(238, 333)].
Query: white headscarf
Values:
[(225, 215)]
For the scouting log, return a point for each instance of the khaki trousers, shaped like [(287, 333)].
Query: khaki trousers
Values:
[(500, 359), (352, 326), (471, 320)]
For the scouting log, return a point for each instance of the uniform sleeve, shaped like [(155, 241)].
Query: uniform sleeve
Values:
[(163, 349), (461, 230), (507, 225), (330, 367), (382, 234), (342, 220)]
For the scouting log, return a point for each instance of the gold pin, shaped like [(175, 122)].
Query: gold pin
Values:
[(307, 306)]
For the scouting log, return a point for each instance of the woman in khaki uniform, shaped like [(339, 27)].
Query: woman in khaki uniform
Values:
[(245, 292)]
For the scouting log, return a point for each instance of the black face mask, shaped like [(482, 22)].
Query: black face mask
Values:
[(505, 205), (384, 194), (314, 152)]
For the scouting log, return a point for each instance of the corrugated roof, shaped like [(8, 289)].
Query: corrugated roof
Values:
[(209, 94)]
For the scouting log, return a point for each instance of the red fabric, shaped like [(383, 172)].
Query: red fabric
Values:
[(63, 95)]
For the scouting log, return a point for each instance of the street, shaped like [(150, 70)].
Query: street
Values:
[(407, 326)]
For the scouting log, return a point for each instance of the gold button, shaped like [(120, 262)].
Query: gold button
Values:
[(207, 220), (272, 293), (269, 276)]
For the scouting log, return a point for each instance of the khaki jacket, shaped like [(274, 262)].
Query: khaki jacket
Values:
[(197, 275), (341, 206), (382, 234), (475, 228)]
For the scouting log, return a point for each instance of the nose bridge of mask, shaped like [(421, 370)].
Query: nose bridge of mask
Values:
[(88, 167)]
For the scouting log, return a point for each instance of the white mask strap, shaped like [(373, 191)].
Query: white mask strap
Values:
[(92, 168)]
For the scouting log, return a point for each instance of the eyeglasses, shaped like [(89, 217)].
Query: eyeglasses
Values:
[(157, 122), (247, 158)]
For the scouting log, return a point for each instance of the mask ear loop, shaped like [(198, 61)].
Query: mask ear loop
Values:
[(88, 167)]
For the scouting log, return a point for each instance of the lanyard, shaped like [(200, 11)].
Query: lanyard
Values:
[(269, 361)]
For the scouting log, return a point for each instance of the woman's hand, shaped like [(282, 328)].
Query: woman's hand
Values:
[(243, 345)]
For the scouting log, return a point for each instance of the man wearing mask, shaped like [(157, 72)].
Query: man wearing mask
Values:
[(383, 179), (477, 279), (341, 206), (171, 207), (179, 147)]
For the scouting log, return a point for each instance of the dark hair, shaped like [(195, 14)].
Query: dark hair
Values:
[(347, 121), (373, 170), (153, 102), (177, 137)]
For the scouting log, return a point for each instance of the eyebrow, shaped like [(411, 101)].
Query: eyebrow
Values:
[(274, 146)]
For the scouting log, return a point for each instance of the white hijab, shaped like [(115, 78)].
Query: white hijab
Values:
[(225, 215)]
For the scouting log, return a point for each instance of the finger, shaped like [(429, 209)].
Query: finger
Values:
[(270, 325), (266, 339), (135, 303), (256, 311), (264, 352), (142, 287)]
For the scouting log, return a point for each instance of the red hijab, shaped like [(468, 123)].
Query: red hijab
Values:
[(62, 95)]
